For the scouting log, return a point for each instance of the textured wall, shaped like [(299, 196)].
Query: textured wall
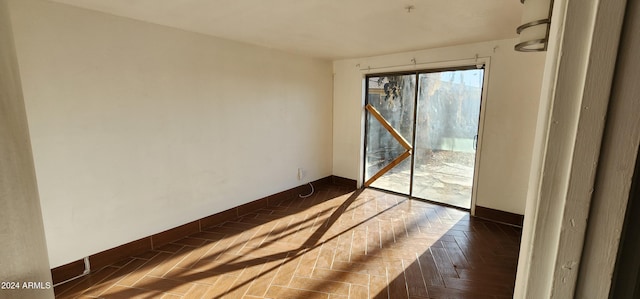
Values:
[(23, 254)]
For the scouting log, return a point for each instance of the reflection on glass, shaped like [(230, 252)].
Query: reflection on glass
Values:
[(446, 135), (394, 98)]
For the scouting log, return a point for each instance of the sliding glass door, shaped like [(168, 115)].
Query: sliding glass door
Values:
[(422, 133)]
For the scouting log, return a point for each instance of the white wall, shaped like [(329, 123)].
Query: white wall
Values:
[(510, 118), (137, 128), (23, 254)]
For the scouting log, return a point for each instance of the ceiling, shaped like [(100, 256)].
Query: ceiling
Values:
[(329, 29)]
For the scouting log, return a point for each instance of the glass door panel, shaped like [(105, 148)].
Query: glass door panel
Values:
[(446, 135), (389, 132)]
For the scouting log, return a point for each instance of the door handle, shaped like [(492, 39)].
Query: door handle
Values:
[(475, 142)]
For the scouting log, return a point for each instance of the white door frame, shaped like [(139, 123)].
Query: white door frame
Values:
[(577, 82)]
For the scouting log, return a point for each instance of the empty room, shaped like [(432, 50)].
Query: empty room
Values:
[(318, 149)]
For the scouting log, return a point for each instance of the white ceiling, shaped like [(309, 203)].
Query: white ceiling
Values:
[(330, 29)]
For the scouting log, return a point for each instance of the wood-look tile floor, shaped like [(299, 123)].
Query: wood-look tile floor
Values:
[(335, 244)]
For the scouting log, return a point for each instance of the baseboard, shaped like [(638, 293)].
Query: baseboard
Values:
[(113, 255), (340, 181), (499, 216)]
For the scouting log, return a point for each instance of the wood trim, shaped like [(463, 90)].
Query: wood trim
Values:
[(600, 58), (389, 128), (218, 218), (340, 181), (575, 93), (499, 216), (176, 233), (620, 143), (110, 256), (68, 271), (325, 181), (385, 169), (113, 255), (407, 146)]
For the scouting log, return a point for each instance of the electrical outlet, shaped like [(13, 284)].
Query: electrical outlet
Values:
[(300, 174)]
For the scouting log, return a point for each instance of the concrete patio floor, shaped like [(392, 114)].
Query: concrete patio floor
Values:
[(441, 176)]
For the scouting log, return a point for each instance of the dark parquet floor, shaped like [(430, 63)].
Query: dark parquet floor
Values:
[(334, 244)]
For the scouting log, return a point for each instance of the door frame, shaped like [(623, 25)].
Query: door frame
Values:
[(466, 64), (575, 211)]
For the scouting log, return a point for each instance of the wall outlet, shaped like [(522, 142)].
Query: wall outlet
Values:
[(300, 174)]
